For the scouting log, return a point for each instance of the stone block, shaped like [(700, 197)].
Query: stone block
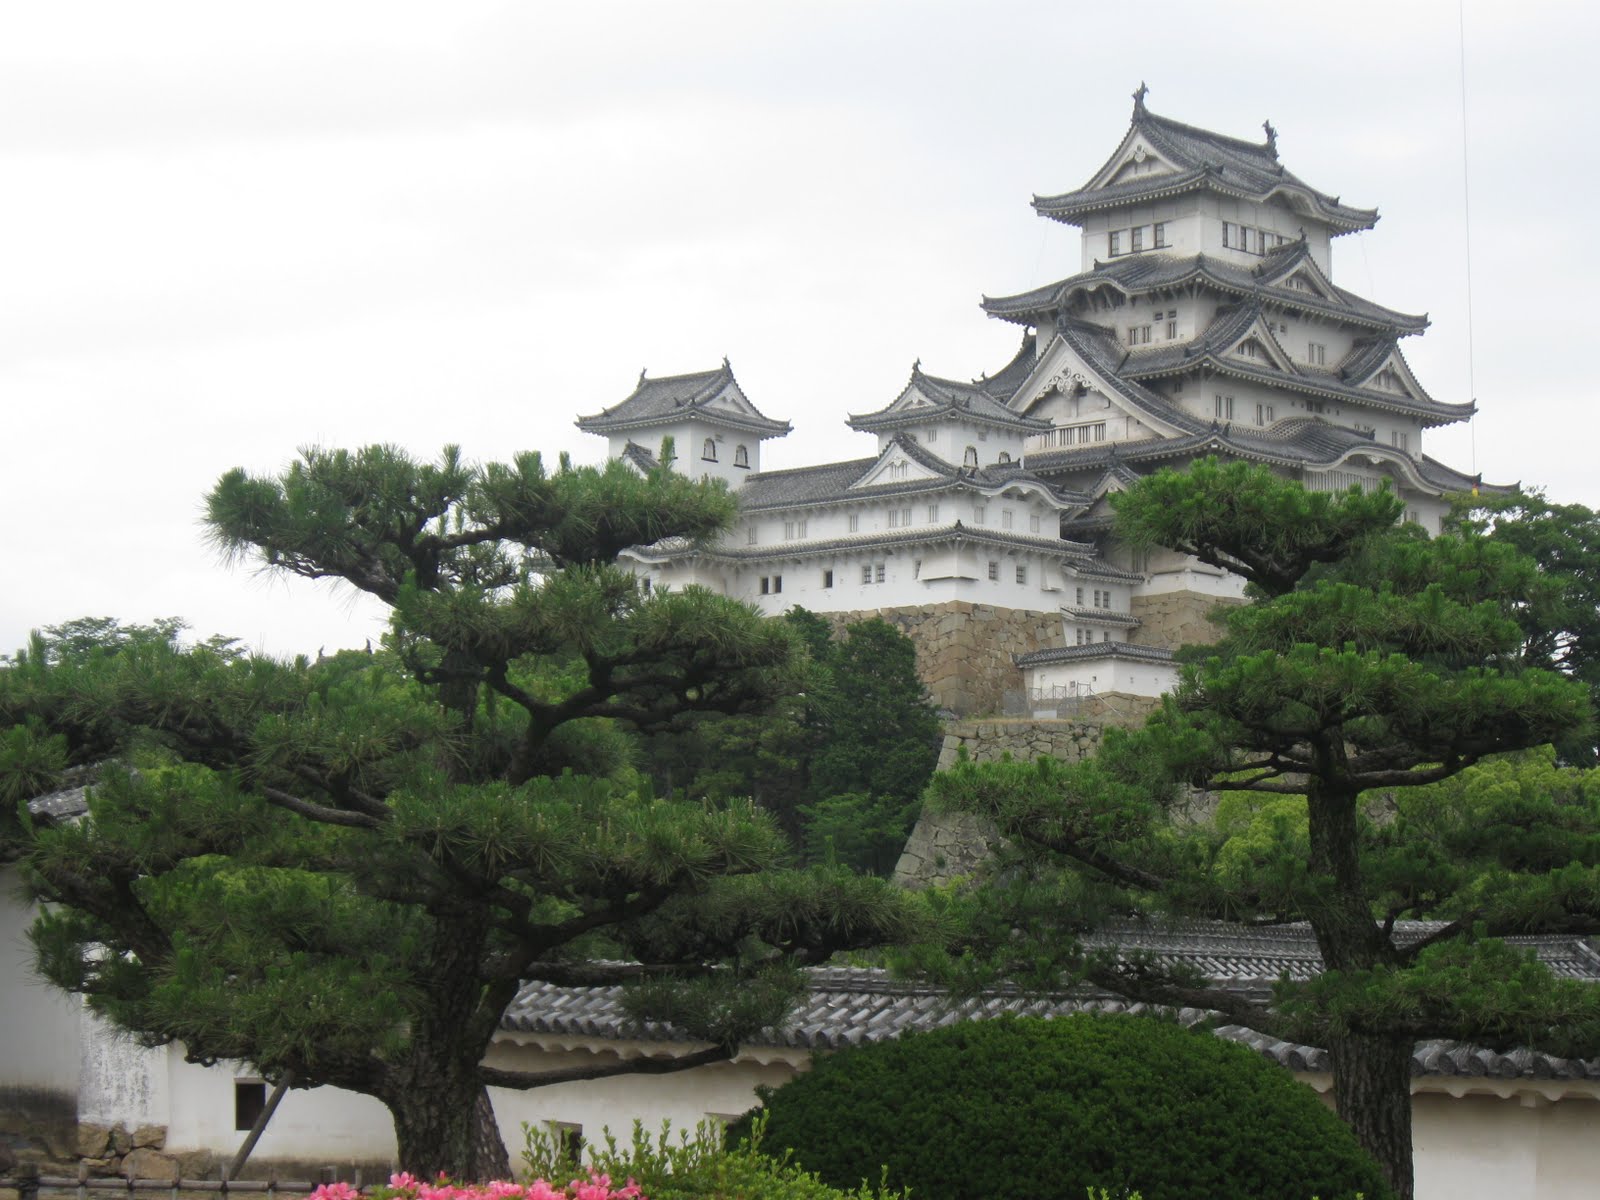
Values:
[(92, 1141), (150, 1164), (121, 1140), (150, 1137), (197, 1164)]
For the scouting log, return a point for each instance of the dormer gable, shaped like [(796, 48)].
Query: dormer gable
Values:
[(1135, 160), (1258, 345), (664, 403), (901, 461), (1383, 368)]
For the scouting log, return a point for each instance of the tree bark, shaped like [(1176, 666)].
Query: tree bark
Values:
[(1372, 1092), (449, 1128)]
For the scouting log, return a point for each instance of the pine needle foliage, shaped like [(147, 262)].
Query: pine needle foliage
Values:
[(342, 871), (1338, 759)]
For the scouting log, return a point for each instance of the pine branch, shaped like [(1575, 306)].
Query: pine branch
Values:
[(523, 1080), (318, 812)]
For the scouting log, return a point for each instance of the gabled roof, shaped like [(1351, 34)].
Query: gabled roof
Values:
[(1305, 443), (833, 483), (1098, 349), (1232, 325), (1139, 274), (928, 397), (849, 1006), (1198, 159), (713, 396)]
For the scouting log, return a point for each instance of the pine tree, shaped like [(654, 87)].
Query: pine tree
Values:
[(1371, 668), (342, 871)]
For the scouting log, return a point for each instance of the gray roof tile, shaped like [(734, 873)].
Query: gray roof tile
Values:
[(656, 401), (849, 1006)]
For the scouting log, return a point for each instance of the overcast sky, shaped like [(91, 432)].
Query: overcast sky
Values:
[(230, 230)]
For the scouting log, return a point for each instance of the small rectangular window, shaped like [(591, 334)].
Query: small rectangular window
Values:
[(1005, 518), (777, 584), (1316, 353), (855, 523), (1079, 600), (1137, 239), (1033, 523), (1224, 408), (894, 518), (249, 1102), (933, 513), (877, 573), (980, 514), (827, 578), (994, 569), (933, 435), (766, 585), (1022, 573), (750, 535), (788, 531), (1172, 330), (866, 573), (905, 516), (1160, 235), (1114, 243)]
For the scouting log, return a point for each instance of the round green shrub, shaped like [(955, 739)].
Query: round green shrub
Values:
[(1031, 1107)]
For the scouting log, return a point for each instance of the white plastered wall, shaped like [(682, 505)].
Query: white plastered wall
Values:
[(38, 1024)]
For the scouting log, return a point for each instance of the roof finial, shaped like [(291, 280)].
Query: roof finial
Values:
[(726, 365), (1272, 138), (916, 367), (1138, 99), (642, 370)]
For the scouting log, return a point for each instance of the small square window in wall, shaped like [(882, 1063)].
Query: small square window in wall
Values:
[(571, 1140), (827, 578), (866, 573), (855, 522), (1022, 573), (933, 513), (777, 584), (994, 569), (249, 1102), (877, 573)]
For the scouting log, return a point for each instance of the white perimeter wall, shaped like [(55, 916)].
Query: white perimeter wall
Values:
[(38, 1024)]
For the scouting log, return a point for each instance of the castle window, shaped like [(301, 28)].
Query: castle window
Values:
[(771, 585), (249, 1099), (1138, 335), (1137, 239), (1316, 353), (1105, 635), (750, 534), (1005, 518), (708, 450), (877, 573), (970, 457), (933, 435), (1022, 573), (793, 529), (1079, 600), (933, 513), (866, 573), (1224, 408), (1005, 456), (741, 457), (980, 514), (827, 578), (1172, 331), (994, 570), (1114, 243), (1400, 440), (1161, 235), (1079, 635), (854, 521)]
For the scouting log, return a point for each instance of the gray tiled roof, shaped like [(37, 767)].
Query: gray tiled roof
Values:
[(1209, 351), (1205, 160), (1303, 442), (656, 401), (1094, 650), (849, 1006), (1136, 274), (980, 401), (830, 483)]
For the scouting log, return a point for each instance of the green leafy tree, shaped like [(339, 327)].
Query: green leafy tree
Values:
[(341, 871), (877, 743), (1370, 664), (1561, 627)]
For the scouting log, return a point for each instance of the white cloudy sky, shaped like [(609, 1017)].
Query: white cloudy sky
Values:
[(228, 230)]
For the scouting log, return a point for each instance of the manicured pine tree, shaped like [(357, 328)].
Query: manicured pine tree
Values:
[(342, 871), (1293, 776)]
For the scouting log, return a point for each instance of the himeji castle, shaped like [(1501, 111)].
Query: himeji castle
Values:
[(1203, 320)]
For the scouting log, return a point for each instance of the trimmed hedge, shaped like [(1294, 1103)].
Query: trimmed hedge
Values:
[(1055, 1107)]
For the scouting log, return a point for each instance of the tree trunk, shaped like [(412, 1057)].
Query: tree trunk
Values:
[(450, 1129), (1372, 1091)]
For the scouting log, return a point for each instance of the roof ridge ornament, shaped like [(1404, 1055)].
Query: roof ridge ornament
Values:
[(642, 370), (1139, 109), (1272, 138)]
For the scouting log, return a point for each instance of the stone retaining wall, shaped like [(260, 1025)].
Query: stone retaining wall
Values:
[(1174, 619), (965, 650)]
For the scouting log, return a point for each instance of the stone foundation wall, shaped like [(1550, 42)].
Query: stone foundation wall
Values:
[(964, 650), (1174, 619)]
